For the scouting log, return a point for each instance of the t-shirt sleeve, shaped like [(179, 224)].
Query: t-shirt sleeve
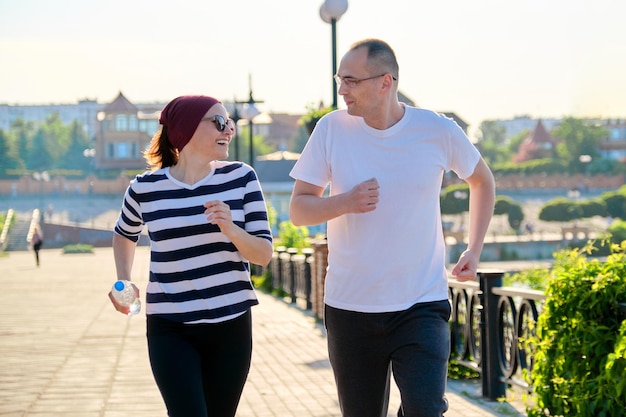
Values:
[(462, 154), (313, 166), (130, 222)]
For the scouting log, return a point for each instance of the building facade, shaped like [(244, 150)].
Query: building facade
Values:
[(84, 112), (124, 132)]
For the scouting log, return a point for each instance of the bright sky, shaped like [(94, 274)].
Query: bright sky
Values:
[(482, 59)]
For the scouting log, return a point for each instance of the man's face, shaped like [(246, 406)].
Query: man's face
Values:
[(358, 85)]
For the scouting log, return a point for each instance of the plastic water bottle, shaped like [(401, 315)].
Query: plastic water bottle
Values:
[(124, 294)]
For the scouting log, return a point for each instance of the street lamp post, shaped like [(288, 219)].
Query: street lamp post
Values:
[(90, 153), (41, 177), (330, 12), (236, 117), (585, 160), (249, 113)]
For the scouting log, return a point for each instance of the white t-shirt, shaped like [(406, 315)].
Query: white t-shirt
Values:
[(393, 257)]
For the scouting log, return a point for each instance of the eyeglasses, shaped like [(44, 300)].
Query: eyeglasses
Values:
[(221, 123), (351, 81)]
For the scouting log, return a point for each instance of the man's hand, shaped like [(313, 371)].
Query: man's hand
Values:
[(364, 196), (466, 268)]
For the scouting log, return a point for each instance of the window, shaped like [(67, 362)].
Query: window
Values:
[(121, 123), (132, 123), (122, 151)]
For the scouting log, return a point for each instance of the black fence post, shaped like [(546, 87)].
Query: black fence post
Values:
[(308, 259), (292, 274), (277, 280), (493, 386)]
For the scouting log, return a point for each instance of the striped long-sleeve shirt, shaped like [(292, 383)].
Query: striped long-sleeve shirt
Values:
[(197, 275)]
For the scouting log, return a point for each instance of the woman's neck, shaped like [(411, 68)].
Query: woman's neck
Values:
[(190, 172)]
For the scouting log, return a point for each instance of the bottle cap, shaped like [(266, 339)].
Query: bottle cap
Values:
[(119, 285)]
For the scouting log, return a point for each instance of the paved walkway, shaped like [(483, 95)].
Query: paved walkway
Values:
[(64, 351)]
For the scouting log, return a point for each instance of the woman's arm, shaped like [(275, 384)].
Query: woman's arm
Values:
[(124, 254), (255, 249)]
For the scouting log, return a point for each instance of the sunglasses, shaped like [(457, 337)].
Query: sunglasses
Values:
[(221, 123)]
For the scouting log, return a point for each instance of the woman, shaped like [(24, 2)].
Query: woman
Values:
[(207, 221), (36, 241)]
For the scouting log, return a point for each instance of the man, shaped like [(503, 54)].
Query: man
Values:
[(386, 296)]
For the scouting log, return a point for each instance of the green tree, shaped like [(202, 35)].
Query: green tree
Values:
[(515, 142), (57, 139), (49, 144), (39, 157), (74, 157), (8, 158), (313, 114), (577, 139), (491, 138), (258, 144), (21, 134)]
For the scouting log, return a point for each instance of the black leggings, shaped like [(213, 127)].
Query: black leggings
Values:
[(200, 369)]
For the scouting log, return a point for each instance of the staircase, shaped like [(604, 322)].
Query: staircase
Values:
[(16, 239)]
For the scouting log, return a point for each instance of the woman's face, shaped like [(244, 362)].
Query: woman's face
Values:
[(213, 134)]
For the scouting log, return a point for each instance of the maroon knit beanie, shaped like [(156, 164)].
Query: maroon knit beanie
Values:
[(182, 116)]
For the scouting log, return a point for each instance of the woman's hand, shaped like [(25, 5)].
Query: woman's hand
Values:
[(218, 213), (123, 309)]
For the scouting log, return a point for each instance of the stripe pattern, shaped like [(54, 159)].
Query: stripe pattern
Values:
[(197, 275)]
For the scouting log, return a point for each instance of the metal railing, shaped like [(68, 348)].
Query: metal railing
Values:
[(491, 325), (5, 229)]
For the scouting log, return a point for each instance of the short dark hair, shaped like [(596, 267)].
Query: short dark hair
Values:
[(379, 54)]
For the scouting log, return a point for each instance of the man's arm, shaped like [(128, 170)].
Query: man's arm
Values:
[(309, 207), (482, 192)]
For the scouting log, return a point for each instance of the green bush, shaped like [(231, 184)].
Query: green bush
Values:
[(292, 236), (78, 248), (313, 115), (615, 203), (515, 216), (263, 282), (532, 167), (580, 345), (502, 205), (618, 231), (533, 278), (559, 210), (593, 207)]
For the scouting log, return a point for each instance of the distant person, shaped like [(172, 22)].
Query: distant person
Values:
[(386, 295), (36, 240), (207, 221), (50, 212)]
